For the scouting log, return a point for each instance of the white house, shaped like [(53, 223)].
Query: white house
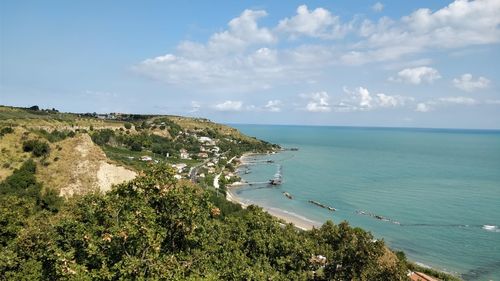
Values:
[(146, 158), (184, 154), (179, 167)]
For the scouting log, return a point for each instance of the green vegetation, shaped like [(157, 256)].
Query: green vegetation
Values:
[(429, 271), (157, 228), (6, 130), (55, 135), (23, 184), (36, 147)]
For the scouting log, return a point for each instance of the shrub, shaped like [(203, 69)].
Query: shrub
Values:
[(6, 130), (36, 147), (127, 126)]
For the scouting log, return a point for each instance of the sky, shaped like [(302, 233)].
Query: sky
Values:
[(345, 63)]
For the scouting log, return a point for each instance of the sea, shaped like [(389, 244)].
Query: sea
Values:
[(432, 193)]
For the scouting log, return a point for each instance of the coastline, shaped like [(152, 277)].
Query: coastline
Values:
[(297, 220), (288, 217), (305, 224)]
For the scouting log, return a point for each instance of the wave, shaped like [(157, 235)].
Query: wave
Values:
[(491, 228), (293, 215)]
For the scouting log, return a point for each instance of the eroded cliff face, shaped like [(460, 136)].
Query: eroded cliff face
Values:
[(78, 166)]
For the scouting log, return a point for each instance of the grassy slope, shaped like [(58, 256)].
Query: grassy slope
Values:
[(58, 169)]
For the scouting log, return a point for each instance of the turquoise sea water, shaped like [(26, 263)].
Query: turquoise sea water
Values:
[(441, 186)]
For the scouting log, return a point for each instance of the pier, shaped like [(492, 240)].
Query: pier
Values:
[(278, 177)]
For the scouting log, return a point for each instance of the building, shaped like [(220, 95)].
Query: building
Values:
[(179, 167), (146, 158), (202, 155), (184, 154), (206, 140)]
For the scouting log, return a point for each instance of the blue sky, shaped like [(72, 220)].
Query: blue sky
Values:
[(361, 63)]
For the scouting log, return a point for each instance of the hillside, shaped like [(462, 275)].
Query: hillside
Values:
[(89, 152), (121, 197)]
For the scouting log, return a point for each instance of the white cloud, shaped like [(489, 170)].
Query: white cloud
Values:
[(195, 106), (318, 23), (273, 106), (362, 100), (444, 101), (458, 100), (462, 23), (378, 7), (492, 102), (467, 83), (229, 106), (317, 102), (417, 75), (423, 107), (246, 57)]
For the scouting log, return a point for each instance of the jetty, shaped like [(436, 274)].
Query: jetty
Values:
[(322, 205), (290, 149), (378, 217), (278, 177)]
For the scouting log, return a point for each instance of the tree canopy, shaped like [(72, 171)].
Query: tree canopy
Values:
[(155, 227)]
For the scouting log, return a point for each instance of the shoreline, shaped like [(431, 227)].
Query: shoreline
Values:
[(297, 220), (288, 217)]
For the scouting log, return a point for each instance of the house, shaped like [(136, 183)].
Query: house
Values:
[(179, 167), (203, 155), (206, 141), (184, 154), (211, 170), (177, 177), (210, 164), (146, 158)]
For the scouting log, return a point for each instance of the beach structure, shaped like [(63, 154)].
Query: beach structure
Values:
[(278, 178)]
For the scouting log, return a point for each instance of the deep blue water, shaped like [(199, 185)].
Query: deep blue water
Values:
[(438, 189)]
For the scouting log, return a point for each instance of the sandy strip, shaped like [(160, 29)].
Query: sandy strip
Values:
[(289, 217)]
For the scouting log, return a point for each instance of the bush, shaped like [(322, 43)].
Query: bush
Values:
[(102, 137), (127, 126), (36, 147), (55, 135), (6, 130)]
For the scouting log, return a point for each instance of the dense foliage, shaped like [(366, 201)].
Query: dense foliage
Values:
[(36, 147), (157, 228)]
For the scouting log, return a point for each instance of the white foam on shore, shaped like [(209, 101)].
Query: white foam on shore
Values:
[(290, 217), (316, 223), (491, 228)]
